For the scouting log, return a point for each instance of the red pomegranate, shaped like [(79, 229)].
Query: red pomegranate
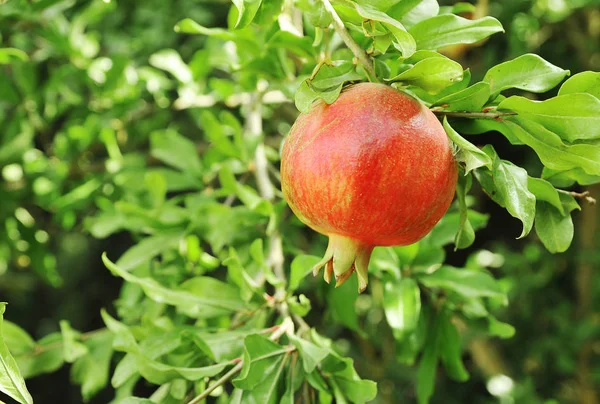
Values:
[(375, 168)]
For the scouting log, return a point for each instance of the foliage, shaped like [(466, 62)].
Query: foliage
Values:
[(113, 122)]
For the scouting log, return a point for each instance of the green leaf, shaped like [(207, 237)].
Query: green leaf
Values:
[(446, 229), (305, 96), (449, 346), (428, 366), (544, 191), (248, 195), (91, 370), (554, 229), (432, 74), (189, 26), (215, 132), (7, 55), (72, 348), (299, 305), (468, 283), (571, 116), (403, 41), (472, 156), (567, 178), (176, 151), (133, 400), (301, 266), (315, 13), (470, 99), (77, 195), (11, 381), (499, 329), (170, 61), (402, 306), (311, 354), (506, 184), (267, 391), (351, 385), (584, 82), (293, 380), (333, 74), (449, 29), (551, 150), (326, 84), (527, 72), (466, 234), (301, 46), (247, 10), (153, 371), (11, 151), (49, 360), (479, 126), (225, 345), (199, 297), (341, 303), (16, 338), (261, 357), (568, 202), (411, 12), (147, 249)]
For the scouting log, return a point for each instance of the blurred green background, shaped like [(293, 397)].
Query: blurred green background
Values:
[(106, 73)]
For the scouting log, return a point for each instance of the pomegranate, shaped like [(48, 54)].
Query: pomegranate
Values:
[(375, 168)]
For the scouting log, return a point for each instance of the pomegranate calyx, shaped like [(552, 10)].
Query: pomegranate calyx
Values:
[(343, 257)]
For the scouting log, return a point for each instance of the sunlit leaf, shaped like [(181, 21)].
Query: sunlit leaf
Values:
[(527, 72), (11, 381), (449, 29)]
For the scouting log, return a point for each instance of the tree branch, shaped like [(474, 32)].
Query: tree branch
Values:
[(473, 115), (359, 52), (266, 188)]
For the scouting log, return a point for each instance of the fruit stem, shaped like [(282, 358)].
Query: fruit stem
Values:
[(359, 52)]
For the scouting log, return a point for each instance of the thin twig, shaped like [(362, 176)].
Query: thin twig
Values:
[(359, 52), (581, 195), (234, 370), (473, 115)]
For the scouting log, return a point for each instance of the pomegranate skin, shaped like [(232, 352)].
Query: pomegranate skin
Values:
[(375, 168)]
